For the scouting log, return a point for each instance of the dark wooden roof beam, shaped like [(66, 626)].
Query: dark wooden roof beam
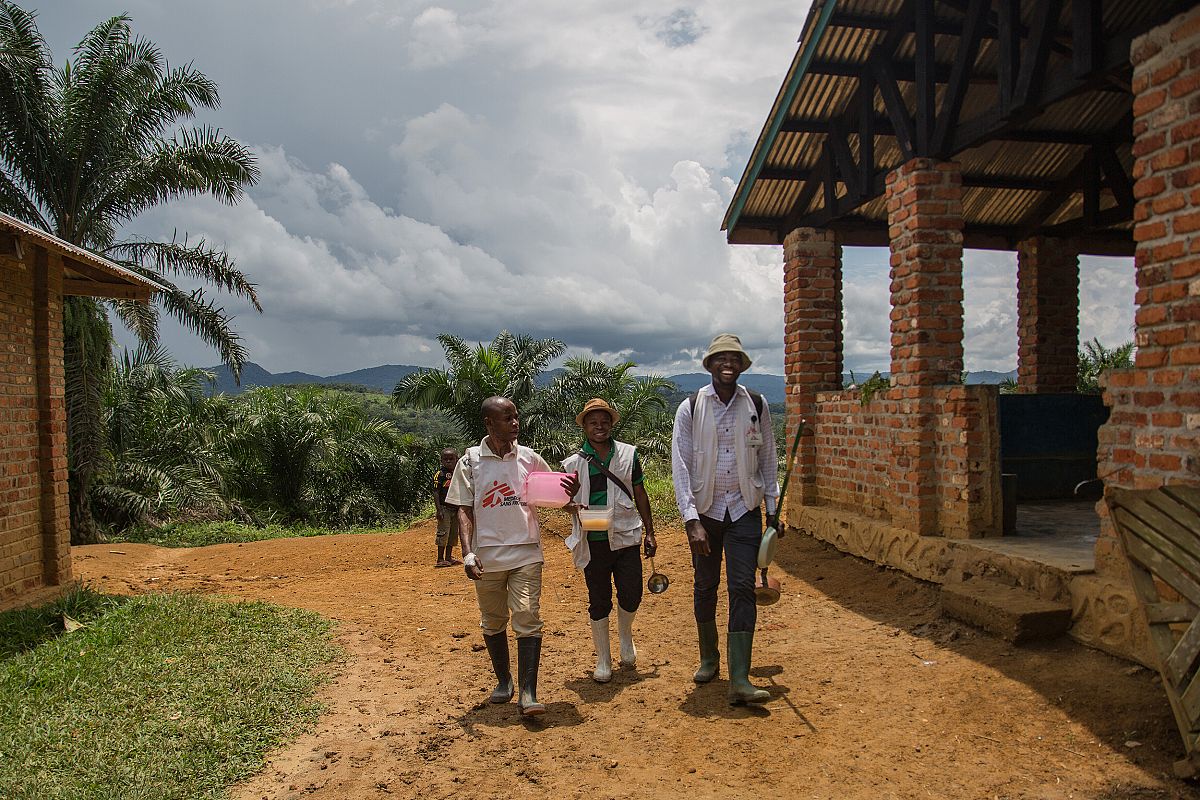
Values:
[(883, 127), (857, 231), (893, 102), (1045, 90), (1028, 183), (115, 291), (961, 78), (905, 71)]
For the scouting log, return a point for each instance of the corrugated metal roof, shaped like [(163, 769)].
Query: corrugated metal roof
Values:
[(1005, 179), (120, 275)]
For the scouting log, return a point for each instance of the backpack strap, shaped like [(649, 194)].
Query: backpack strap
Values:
[(595, 462), (754, 396)]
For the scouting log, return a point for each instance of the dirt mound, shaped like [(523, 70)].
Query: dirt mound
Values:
[(874, 694)]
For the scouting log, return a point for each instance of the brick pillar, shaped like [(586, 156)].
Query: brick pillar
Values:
[(1152, 437), (1047, 315), (924, 202), (812, 335), (51, 415)]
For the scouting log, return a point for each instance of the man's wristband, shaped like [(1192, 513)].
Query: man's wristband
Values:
[(470, 560)]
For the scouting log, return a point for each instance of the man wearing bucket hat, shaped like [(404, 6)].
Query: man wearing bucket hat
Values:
[(724, 467), (502, 547), (604, 542)]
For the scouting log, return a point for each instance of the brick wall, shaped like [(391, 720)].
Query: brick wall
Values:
[(924, 202), (1047, 315), (1153, 435), (34, 531), (812, 339), (924, 454), (927, 464)]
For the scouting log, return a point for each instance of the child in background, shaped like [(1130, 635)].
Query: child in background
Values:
[(447, 516)]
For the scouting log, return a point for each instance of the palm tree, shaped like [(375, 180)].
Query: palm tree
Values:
[(1095, 358), (84, 149), (509, 367), (165, 444), (313, 454), (639, 401)]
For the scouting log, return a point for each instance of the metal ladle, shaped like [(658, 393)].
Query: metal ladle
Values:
[(657, 583)]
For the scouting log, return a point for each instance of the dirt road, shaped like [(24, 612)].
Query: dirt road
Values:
[(875, 696)]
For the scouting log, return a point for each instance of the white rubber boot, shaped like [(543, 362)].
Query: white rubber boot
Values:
[(603, 673), (625, 634)]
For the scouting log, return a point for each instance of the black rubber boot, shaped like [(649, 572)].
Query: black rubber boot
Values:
[(529, 654), (497, 646)]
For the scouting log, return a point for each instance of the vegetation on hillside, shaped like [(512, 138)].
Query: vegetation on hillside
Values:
[(293, 456)]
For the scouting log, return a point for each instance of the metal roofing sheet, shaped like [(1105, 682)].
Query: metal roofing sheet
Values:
[(65, 248), (813, 92)]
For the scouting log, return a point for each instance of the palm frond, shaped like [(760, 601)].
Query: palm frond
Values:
[(194, 260)]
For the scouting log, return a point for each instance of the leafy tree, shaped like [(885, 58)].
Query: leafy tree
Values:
[(1095, 358), (165, 453), (312, 455), (508, 366), (639, 401), (84, 149)]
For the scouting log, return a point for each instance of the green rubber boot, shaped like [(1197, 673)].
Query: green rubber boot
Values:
[(741, 691), (529, 656), (710, 654), (497, 647)]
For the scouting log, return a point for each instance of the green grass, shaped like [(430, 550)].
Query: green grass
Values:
[(657, 483), (162, 696), (200, 534)]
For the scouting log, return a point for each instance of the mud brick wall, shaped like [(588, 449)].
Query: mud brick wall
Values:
[(927, 463), (34, 527), (1047, 315), (1153, 434)]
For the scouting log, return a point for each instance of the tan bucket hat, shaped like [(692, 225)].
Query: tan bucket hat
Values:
[(727, 343), (597, 404)]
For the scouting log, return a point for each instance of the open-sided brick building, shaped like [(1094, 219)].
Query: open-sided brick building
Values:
[(1050, 128), (36, 271)]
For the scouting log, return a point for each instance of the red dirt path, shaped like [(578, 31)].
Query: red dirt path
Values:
[(875, 696)]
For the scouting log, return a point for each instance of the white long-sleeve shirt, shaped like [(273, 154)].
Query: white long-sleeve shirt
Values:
[(727, 493)]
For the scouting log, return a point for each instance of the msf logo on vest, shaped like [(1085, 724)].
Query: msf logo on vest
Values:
[(500, 495)]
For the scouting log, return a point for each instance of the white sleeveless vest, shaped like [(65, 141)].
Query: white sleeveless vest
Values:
[(627, 522), (704, 453)]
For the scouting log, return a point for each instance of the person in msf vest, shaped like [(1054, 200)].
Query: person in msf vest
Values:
[(502, 547), (609, 554), (724, 466)]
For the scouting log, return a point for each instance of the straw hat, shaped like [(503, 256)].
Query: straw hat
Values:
[(727, 343), (597, 404)]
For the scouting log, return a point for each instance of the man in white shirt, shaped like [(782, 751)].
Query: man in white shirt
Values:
[(502, 547), (724, 466)]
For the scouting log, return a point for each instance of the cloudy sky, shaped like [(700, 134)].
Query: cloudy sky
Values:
[(554, 168)]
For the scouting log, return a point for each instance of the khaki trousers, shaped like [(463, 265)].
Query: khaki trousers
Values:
[(518, 591)]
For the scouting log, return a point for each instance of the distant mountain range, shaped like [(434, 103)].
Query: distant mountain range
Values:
[(384, 379)]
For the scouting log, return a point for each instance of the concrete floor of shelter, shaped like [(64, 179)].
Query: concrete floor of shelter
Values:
[(1059, 533)]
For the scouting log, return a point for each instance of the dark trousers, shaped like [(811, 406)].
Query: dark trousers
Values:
[(738, 540), (622, 567)]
